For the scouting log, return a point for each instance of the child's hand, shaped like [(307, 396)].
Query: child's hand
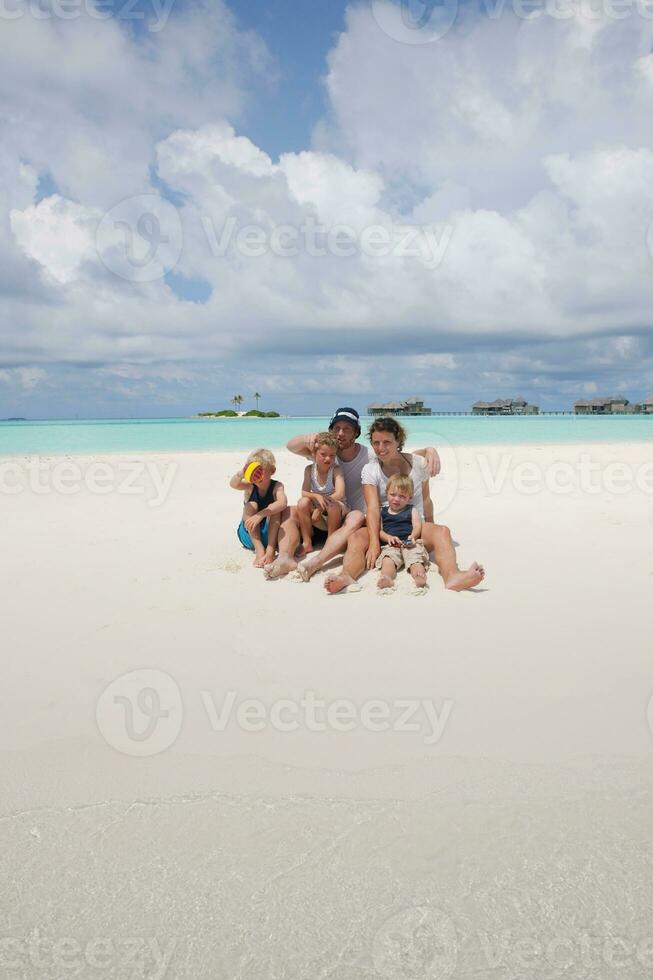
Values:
[(322, 503), (253, 522), (395, 542)]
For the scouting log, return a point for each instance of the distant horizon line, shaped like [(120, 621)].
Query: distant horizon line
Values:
[(282, 417)]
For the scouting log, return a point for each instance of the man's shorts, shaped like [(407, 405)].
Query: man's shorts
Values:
[(245, 538), (318, 536), (404, 556)]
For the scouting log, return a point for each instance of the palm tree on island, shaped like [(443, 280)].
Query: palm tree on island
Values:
[(237, 401), (257, 396)]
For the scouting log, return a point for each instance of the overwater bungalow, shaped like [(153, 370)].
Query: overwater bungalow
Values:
[(505, 406), (618, 405), (411, 406), (646, 407)]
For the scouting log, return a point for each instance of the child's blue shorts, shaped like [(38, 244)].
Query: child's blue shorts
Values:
[(245, 539)]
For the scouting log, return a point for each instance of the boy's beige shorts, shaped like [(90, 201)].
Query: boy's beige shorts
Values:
[(404, 556)]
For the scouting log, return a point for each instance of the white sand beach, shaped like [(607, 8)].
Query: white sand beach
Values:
[(413, 777)]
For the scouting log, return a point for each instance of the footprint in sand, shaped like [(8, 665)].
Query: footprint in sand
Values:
[(228, 565), (417, 591)]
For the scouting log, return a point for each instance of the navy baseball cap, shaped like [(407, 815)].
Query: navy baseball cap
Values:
[(346, 414)]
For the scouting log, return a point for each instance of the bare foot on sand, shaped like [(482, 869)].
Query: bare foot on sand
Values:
[(460, 581), (419, 576), (269, 556), (336, 583), (307, 568), (385, 582), (259, 561), (280, 567)]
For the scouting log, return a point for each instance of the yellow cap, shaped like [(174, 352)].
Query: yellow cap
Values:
[(250, 470)]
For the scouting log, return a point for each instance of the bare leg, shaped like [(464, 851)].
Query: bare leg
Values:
[(334, 545), (334, 519), (288, 541), (418, 572), (437, 539), (274, 524), (388, 574), (354, 563), (259, 551), (304, 516)]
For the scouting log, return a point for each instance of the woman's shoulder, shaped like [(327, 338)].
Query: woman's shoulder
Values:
[(371, 471)]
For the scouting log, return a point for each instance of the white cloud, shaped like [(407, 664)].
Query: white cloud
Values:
[(339, 193), (58, 234)]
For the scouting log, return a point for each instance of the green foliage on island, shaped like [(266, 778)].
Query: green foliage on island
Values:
[(231, 414), (228, 412)]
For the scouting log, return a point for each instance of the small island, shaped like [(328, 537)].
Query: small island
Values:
[(229, 413), (235, 413)]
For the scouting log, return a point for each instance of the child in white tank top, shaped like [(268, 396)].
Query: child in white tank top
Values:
[(321, 508)]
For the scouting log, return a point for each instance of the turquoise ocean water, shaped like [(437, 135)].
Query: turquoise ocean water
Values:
[(193, 435)]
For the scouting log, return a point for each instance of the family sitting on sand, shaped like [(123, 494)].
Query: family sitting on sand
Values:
[(372, 504)]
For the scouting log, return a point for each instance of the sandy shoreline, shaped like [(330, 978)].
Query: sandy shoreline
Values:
[(529, 709)]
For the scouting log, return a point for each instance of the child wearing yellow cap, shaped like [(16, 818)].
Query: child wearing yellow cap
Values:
[(265, 501)]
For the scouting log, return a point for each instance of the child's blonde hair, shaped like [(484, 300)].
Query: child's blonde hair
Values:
[(265, 458), (403, 484), (326, 439)]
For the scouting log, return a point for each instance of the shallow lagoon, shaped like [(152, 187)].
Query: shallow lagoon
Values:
[(197, 435)]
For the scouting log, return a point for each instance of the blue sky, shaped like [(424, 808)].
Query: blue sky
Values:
[(300, 34), (482, 187)]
